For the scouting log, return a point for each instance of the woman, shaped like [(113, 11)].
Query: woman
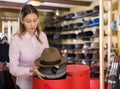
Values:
[(26, 46)]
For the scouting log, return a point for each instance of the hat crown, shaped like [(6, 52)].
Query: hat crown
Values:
[(50, 57), (50, 54)]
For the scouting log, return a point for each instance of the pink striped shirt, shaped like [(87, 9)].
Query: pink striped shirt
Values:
[(23, 52)]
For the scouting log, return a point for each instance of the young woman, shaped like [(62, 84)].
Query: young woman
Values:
[(26, 46)]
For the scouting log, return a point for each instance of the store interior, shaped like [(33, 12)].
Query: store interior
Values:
[(85, 32)]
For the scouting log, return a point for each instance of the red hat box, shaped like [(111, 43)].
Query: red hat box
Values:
[(52, 84), (80, 75)]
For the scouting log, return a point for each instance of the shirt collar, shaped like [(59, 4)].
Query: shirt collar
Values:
[(27, 35)]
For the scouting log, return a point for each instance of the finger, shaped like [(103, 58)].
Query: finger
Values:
[(39, 74), (36, 67), (40, 77)]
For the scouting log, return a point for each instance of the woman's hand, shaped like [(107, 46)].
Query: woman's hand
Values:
[(35, 71)]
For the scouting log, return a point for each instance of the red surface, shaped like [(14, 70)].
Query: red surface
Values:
[(94, 83), (78, 70), (80, 75), (52, 84)]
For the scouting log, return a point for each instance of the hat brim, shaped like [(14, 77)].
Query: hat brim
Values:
[(96, 13), (38, 63), (94, 24), (89, 14)]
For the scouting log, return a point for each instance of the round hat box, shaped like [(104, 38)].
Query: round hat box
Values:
[(80, 75), (79, 78), (94, 83), (52, 84)]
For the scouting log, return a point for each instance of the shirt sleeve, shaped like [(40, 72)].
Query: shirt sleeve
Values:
[(14, 55)]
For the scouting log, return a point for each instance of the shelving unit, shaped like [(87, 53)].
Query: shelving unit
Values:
[(109, 39), (75, 54), (119, 29), (101, 45), (100, 39)]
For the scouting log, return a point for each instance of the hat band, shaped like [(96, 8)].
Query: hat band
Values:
[(50, 63)]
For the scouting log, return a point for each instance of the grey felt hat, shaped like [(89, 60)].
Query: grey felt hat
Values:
[(55, 72)]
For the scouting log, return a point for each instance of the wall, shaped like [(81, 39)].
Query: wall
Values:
[(6, 14), (72, 10), (82, 8), (15, 14)]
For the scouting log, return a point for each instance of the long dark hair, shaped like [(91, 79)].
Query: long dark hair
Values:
[(27, 9)]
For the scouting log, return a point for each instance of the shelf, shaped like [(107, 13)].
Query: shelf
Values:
[(76, 32), (115, 49)]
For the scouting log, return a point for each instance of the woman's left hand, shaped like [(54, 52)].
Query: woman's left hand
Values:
[(35, 70)]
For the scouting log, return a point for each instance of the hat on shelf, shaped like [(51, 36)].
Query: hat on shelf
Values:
[(95, 68), (65, 28), (89, 56), (95, 56), (114, 25), (50, 57), (77, 25), (49, 20), (95, 10), (95, 22), (78, 46), (70, 26), (58, 19), (72, 36), (64, 36), (59, 29), (86, 45), (52, 28), (80, 14), (69, 16), (86, 23), (85, 35), (71, 56), (56, 36), (88, 12), (95, 45), (50, 36), (81, 56), (96, 32), (69, 46), (3, 37), (68, 36), (59, 46)]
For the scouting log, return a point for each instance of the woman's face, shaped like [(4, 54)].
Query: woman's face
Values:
[(30, 22)]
